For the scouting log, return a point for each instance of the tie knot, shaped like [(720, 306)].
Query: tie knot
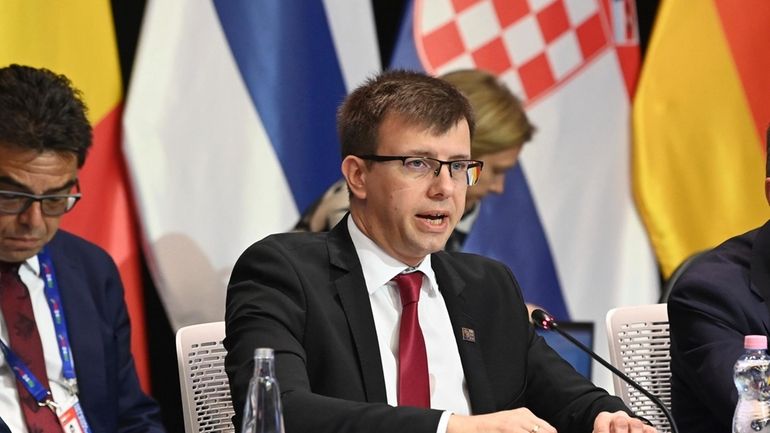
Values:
[(409, 287), (10, 268)]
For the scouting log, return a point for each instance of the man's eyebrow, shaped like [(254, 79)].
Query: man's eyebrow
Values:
[(66, 187), (9, 181), (425, 154), (464, 156)]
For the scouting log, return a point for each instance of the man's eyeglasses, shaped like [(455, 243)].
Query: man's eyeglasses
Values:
[(466, 171), (14, 203)]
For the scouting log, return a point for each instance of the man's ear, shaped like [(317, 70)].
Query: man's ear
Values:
[(354, 169)]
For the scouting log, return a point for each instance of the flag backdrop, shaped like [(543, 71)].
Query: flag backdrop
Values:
[(699, 122), (77, 39), (566, 224), (230, 130)]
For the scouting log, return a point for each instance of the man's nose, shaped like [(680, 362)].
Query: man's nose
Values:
[(443, 181), (33, 215)]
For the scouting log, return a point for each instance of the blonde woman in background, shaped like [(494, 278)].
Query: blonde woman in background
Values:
[(502, 128)]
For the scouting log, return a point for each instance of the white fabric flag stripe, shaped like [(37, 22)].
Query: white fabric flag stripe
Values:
[(579, 177), (207, 179), (355, 38)]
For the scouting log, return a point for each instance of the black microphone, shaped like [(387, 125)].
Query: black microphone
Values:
[(543, 320)]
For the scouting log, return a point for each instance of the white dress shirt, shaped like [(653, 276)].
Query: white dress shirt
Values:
[(448, 390), (10, 410)]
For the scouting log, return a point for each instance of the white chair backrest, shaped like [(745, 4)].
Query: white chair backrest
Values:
[(206, 403), (639, 347)]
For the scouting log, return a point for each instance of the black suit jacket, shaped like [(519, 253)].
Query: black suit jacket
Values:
[(99, 332), (721, 297), (304, 295)]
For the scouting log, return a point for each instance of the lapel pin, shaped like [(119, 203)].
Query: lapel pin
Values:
[(469, 335)]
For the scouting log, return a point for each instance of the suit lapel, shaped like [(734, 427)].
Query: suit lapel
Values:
[(355, 302), (83, 329), (453, 290), (760, 269)]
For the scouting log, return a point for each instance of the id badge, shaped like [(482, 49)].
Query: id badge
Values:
[(72, 418)]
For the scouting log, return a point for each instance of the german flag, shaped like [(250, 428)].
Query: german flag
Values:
[(77, 38), (700, 113)]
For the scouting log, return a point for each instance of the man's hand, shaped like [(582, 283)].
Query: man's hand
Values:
[(519, 420), (620, 422)]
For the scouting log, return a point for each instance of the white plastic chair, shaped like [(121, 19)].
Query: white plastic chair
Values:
[(206, 403), (639, 347)]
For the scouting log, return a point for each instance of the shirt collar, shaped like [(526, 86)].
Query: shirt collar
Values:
[(32, 264), (378, 267)]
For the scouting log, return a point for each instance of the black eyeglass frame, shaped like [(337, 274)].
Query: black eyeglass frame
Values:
[(72, 200), (385, 158)]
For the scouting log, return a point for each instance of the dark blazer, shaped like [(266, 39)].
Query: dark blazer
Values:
[(99, 332), (304, 295), (721, 297)]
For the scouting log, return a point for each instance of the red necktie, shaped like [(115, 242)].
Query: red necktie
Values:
[(24, 340), (413, 383)]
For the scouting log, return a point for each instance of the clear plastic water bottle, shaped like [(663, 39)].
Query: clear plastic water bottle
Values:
[(262, 412), (752, 414)]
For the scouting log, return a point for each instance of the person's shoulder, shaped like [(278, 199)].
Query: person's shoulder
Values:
[(293, 240), (327, 211), (725, 266), (734, 250), (73, 245), (732, 254), (491, 280), (72, 253), (293, 243), (463, 257), (469, 263)]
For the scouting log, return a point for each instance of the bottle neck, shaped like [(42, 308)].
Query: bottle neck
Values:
[(264, 367)]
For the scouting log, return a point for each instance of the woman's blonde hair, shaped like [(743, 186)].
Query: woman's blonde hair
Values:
[(501, 122)]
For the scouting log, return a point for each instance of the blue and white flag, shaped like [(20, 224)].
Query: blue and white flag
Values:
[(566, 224), (230, 130)]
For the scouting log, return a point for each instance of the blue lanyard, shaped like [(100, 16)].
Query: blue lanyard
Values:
[(22, 372), (25, 376), (51, 290)]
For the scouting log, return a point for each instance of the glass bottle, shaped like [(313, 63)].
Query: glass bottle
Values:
[(262, 412)]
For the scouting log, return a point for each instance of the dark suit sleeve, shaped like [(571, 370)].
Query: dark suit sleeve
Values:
[(710, 309), (136, 411), (100, 333), (554, 390), (559, 394), (267, 306)]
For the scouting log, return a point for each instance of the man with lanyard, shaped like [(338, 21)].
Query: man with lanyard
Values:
[(64, 328)]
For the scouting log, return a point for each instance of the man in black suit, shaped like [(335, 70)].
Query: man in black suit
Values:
[(721, 297), (328, 304)]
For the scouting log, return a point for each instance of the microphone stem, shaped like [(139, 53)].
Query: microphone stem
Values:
[(627, 379)]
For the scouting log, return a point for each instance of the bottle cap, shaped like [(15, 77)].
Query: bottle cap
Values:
[(263, 352), (755, 342)]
